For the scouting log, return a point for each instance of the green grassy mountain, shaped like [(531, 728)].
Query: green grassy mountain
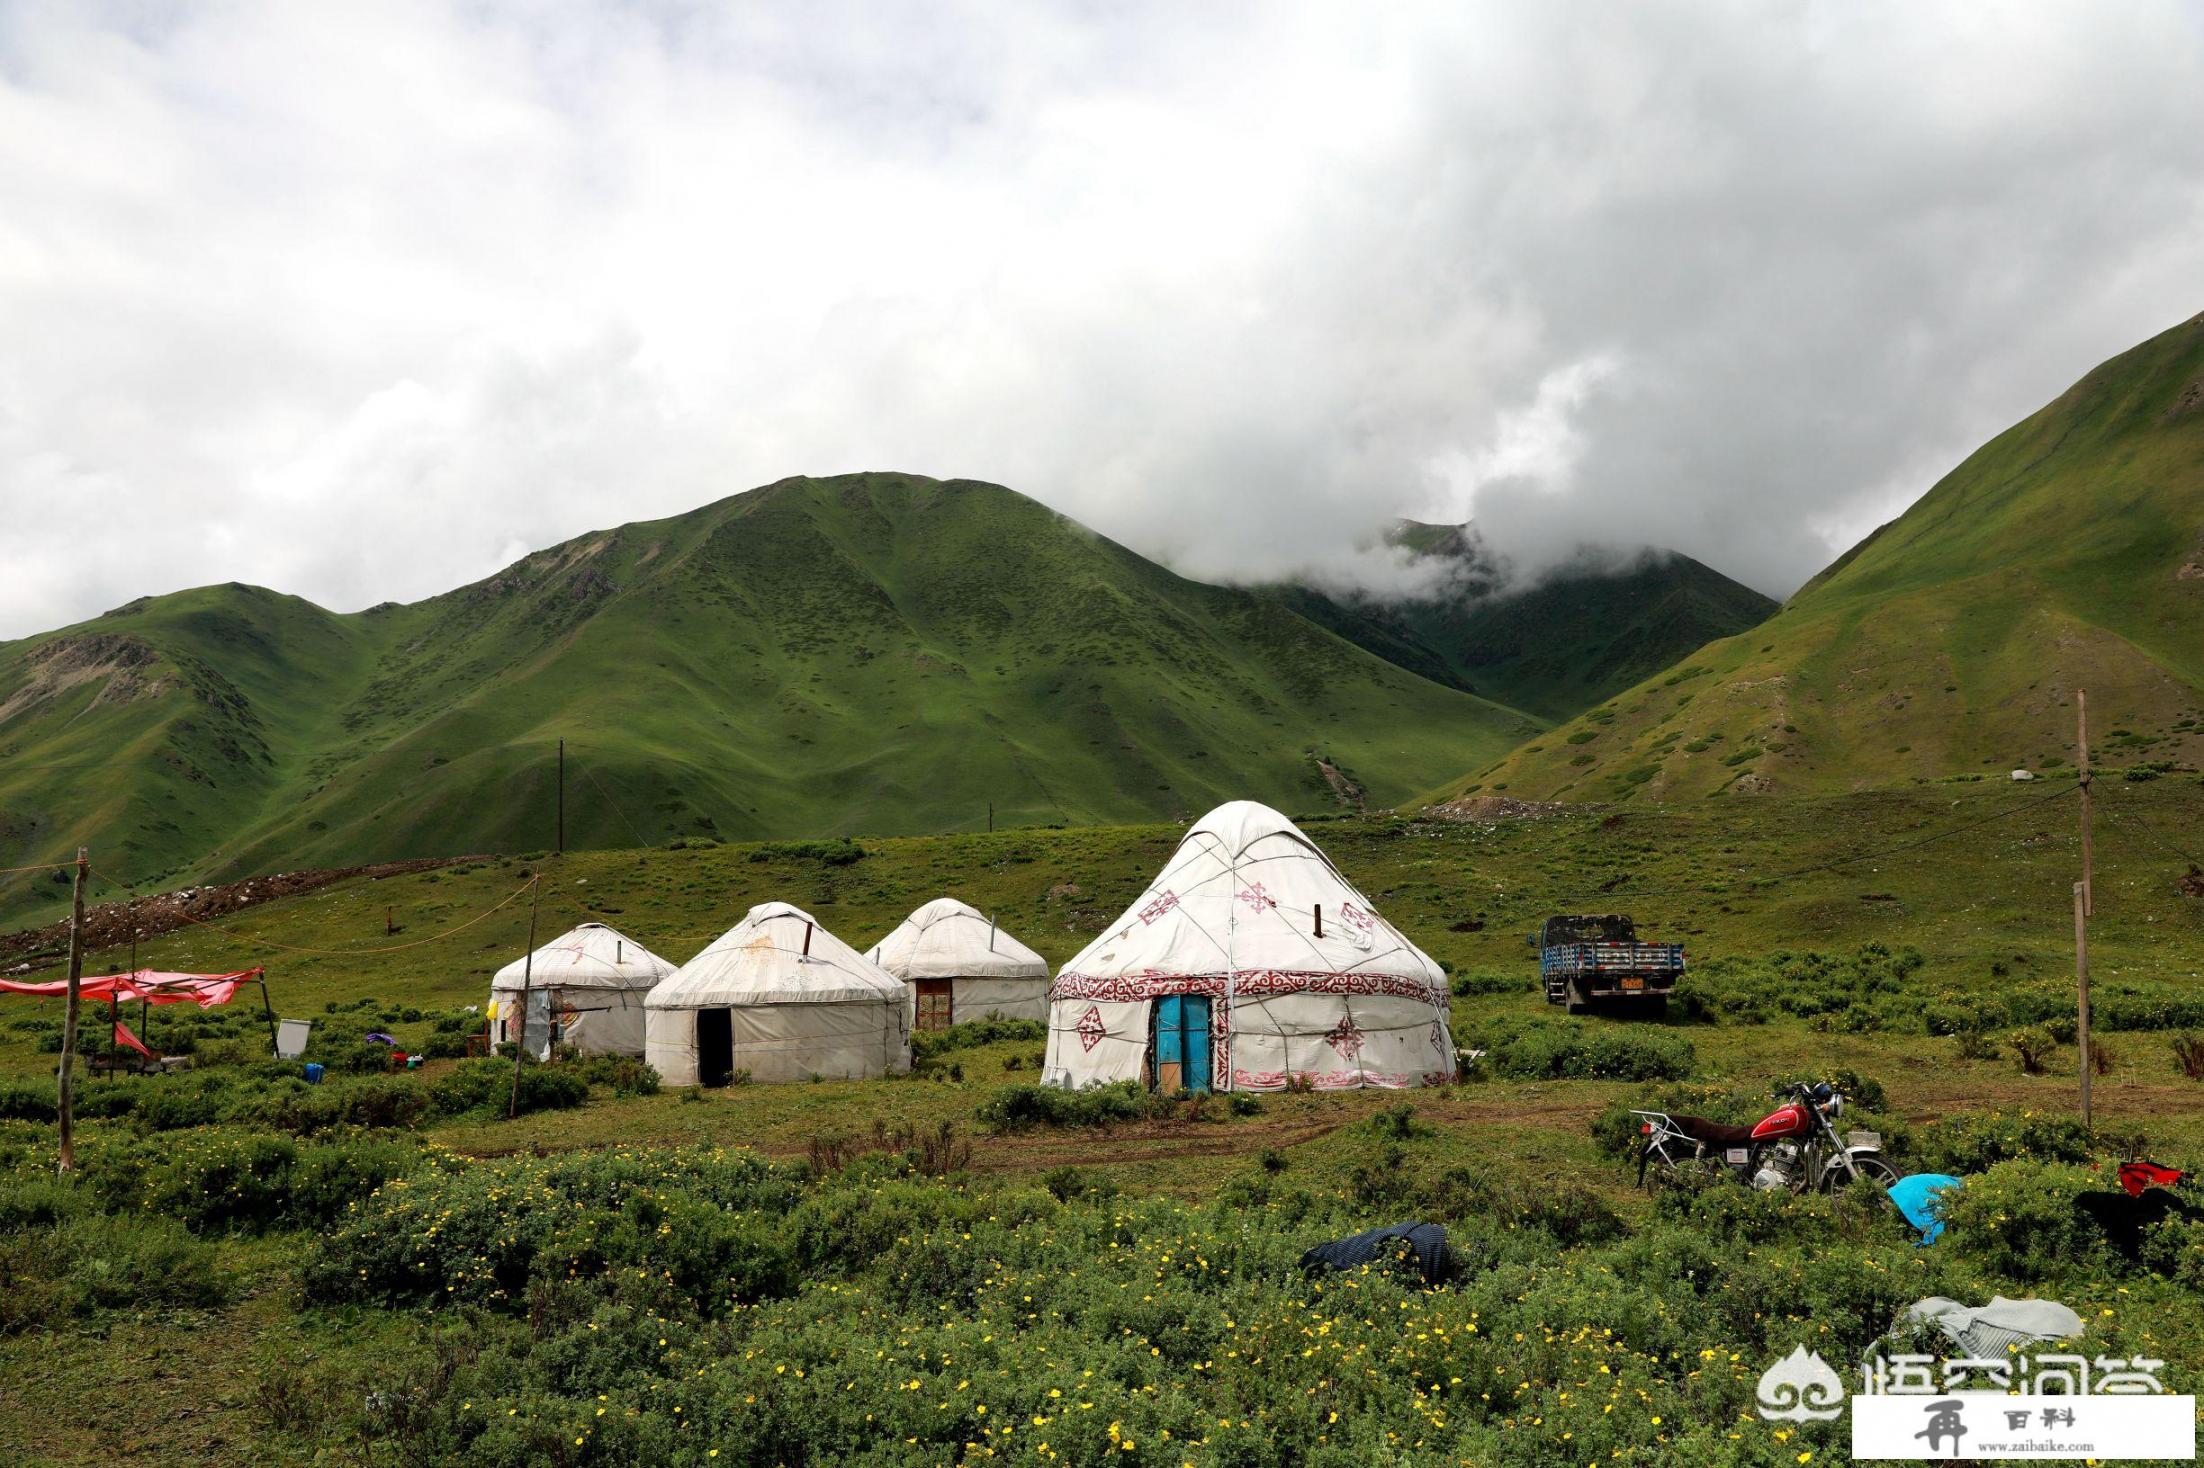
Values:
[(873, 653), (2067, 553), (1555, 647)]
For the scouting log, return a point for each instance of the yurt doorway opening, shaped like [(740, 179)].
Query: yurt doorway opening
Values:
[(715, 1046), (1181, 1044), (935, 1003)]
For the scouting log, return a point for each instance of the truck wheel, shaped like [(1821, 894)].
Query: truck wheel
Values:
[(1576, 1003)]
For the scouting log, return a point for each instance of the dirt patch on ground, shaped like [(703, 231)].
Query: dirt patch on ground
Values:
[(109, 924), (1345, 788)]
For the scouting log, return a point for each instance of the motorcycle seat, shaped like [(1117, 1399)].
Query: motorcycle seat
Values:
[(1713, 1133)]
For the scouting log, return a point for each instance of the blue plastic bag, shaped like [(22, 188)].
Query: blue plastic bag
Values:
[(1916, 1198)]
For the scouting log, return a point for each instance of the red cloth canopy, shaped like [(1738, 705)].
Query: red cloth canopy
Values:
[(150, 985)]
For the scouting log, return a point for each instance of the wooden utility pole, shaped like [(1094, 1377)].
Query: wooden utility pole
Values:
[(67, 1078), (991, 815), (527, 979), (2084, 905), (562, 798)]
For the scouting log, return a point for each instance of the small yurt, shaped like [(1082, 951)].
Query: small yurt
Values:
[(780, 997), (593, 980), (1248, 964), (960, 966)]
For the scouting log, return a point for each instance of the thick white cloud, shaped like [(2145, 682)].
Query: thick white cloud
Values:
[(357, 301)]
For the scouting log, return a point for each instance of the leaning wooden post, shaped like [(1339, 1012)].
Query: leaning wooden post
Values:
[(67, 1078), (527, 976), (2084, 905)]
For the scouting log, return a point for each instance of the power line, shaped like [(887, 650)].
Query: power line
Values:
[(591, 776), (2118, 819)]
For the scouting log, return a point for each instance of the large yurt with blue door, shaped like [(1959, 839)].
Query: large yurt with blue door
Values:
[(1249, 964)]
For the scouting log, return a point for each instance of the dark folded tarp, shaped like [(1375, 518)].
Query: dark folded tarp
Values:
[(2123, 1220), (1425, 1243)]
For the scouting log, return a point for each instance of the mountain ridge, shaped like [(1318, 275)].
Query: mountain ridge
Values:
[(1553, 645), (2065, 554), (868, 654)]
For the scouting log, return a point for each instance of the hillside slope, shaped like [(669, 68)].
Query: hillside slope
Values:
[(2067, 553), (1553, 648), (873, 653)]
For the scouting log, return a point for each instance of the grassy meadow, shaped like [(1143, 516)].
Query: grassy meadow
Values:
[(385, 1270)]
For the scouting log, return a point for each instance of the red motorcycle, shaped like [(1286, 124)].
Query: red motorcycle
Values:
[(1795, 1148)]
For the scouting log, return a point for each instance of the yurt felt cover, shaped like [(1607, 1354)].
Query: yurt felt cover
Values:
[(1305, 979), (597, 977), (793, 1014), (989, 971), (948, 939)]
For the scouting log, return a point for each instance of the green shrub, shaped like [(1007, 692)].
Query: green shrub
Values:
[(971, 1034), (2175, 1248), (89, 1262), (715, 1230), (216, 1180), (1468, 983), (1022, 1108), (840, 853), (1397, 1123), (1872, 987), (485, 1086), (1573, 1050), (1975, 1141), (1569, 1213), (373, 1102), (2021, 1219), (21, 1101), (622, 1075)]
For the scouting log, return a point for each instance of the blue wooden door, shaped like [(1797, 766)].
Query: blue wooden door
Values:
[(1182, 1043), (1194, 1013)]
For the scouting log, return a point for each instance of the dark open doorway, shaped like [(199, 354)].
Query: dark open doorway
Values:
[(715, 1046)]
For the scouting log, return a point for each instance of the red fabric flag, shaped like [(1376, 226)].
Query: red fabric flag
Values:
[(123, 1037), (153, 986), (2136, 1176)]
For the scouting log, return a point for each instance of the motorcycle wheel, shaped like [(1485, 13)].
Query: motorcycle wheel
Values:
[(1871, 1167)]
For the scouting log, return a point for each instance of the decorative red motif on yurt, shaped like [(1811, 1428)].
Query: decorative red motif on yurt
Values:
[(1345, 1038), (1256, 898), (1164, 903), (1154, 984), (1090, 1028)]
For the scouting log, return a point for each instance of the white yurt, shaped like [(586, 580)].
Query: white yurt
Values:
[(593, 979), (960, 966), (1249, 963), (779, 996)]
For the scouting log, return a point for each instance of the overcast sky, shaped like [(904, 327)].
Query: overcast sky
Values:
[(361, 302)]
